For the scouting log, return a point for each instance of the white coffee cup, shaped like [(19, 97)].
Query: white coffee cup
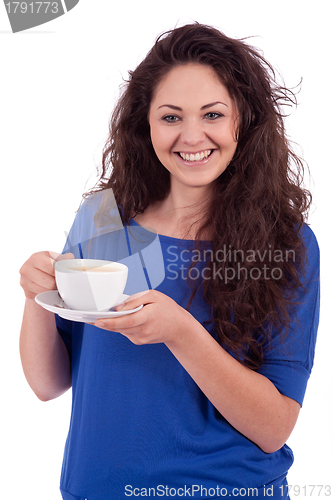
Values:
[(90, 284)]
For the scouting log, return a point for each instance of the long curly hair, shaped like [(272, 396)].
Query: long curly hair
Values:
[(258, 205)]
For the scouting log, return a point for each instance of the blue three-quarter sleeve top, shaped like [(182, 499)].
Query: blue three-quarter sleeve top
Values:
[(140, 426)]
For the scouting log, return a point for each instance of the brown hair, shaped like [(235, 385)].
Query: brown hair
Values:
[(258, 206)]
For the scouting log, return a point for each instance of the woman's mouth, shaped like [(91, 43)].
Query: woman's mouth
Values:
[(193, 157)]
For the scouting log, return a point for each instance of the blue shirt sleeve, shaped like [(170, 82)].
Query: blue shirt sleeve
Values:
[(64, 327), (289, 359)]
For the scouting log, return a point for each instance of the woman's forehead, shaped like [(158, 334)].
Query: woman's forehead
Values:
[(191, 80)]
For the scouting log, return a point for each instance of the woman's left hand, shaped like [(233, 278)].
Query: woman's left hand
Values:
[(161, 320)]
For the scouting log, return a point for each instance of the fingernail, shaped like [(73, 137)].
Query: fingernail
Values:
[(119, 306), (100, 324)]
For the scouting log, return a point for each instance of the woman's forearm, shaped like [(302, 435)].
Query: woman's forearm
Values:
[(44, 357), (247, 400)]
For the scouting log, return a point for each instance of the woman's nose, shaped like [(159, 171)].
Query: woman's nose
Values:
[(192, 133)]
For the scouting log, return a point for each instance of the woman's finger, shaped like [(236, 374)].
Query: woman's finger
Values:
[(121, 323), (136, 300)]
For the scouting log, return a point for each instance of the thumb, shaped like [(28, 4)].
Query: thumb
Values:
[(55, 256), (65, 256)]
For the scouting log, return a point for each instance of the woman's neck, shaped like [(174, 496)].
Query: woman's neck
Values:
[(179, 215)]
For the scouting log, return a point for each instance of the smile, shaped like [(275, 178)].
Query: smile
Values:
[(197, 156)]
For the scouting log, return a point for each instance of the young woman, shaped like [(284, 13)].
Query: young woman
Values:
[(197, 393)]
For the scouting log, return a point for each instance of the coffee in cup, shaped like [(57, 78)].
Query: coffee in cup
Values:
[(90, 284)]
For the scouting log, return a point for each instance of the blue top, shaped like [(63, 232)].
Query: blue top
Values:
[(140, 426)]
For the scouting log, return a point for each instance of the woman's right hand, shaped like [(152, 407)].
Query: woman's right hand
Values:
[(44, 356), (37, 273)]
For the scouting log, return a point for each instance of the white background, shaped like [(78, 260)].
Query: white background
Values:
[(58, 85)]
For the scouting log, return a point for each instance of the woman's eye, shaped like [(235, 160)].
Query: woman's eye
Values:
[(170, 118), (213, 116)]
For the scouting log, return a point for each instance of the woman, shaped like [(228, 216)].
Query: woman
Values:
[(197, 393)]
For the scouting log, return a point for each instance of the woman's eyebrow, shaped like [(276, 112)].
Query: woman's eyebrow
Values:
[(177, 108), (170, 106), (213, 104)]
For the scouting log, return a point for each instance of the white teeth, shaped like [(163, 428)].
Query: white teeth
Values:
[(197, 156)]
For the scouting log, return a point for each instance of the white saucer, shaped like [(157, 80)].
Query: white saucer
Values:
[(52, 302)]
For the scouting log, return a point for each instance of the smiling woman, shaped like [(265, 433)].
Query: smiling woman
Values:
[(197, 143), (203, 385)]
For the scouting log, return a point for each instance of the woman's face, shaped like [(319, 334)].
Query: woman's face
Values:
[(193, 125)]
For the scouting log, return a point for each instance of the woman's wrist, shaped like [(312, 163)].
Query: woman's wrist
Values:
[(187, 334)]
